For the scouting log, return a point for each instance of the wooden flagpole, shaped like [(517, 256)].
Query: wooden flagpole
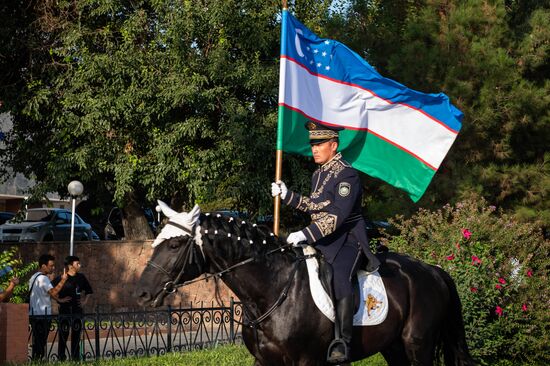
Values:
[(277, 199), (278, 177)]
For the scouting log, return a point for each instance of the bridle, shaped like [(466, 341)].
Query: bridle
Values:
[(171, 285), (187, 255)]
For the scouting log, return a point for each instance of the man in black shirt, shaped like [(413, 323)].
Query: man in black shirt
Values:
[(78, 289)]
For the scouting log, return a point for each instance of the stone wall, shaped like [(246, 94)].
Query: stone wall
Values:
[(113, 268)]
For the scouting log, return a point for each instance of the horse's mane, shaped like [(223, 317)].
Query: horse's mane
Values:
[(236, 238)]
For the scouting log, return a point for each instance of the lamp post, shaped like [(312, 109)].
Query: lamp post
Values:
[(75, 189), (159, 210)]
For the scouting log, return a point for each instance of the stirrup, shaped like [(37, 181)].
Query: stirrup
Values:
[(337, 359)]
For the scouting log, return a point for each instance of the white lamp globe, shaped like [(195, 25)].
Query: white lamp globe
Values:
[(75, 188)]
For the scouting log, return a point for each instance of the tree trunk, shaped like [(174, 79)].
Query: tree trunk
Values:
[(134, 221)]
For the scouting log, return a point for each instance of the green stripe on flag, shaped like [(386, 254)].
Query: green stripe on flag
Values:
[(364, 151)]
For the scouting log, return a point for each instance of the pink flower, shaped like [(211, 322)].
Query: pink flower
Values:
[(524, 307), (457, 245), (466, 234), (529, 273), (450, 257), (502, 280), (498, 310), (498, 287), (473, 289), (475, 260)]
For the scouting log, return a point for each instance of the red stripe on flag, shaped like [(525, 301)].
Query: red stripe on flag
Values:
[(369, 91)]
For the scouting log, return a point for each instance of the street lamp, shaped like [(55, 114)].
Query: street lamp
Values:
[(75, 189), (159, 210)]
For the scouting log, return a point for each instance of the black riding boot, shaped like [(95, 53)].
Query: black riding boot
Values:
[(339, 349)]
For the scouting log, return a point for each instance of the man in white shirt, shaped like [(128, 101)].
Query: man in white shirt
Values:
[(41, 292)]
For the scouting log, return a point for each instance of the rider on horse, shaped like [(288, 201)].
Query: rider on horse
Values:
[(337, 226)]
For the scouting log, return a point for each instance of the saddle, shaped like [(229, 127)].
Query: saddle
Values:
[(369, 293)]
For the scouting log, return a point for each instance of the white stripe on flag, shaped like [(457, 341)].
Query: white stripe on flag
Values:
[(355, 108)]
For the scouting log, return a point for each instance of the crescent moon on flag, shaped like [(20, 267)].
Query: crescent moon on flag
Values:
[(297, 42)]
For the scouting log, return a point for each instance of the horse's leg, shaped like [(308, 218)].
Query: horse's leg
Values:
[(396, 355), (420, 349)]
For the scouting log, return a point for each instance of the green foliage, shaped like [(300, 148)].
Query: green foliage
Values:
[(500, 267), (153, 100), (9, 258), (177, 100), (491, 58)]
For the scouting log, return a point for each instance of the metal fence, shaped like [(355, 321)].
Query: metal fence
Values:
[(105, 335)]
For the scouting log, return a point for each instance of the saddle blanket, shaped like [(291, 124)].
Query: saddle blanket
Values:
[(373, 306)]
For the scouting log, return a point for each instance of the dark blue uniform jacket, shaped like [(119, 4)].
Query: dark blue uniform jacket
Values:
[(335, 209)]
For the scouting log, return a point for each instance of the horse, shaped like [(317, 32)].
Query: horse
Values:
[(282, 325)]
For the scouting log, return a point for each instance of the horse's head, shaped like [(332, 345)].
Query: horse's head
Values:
[(176, 258), (187, 248)]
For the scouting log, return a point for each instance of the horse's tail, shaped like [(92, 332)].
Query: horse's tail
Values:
[(455, 348)]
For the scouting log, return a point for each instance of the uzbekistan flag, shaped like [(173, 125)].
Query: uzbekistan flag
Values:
[(391, 132)]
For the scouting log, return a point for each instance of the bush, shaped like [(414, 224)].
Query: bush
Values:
[(500, 267), (14, 267)]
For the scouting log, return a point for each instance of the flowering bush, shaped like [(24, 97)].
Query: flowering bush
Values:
[(500, 268)]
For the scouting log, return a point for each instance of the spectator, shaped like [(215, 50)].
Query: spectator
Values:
[(41, 292), (6, 294), (78, 289)]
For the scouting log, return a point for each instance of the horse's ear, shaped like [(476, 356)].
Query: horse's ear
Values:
[(166, 210), (194, 214)]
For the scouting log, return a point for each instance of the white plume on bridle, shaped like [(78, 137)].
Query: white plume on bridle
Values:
[(186, 219)]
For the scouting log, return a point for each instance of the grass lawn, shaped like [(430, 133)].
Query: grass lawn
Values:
[(220, 356)]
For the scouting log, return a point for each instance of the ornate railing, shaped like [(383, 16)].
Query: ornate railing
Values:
[(141, 333)]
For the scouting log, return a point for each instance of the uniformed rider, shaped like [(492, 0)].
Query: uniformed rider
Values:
[(337, 226)]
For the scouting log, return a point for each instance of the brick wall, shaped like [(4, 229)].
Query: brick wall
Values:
[(113, 268), (14, 332)]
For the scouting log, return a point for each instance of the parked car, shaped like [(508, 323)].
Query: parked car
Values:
[(5, 216), (46, 224), (115, 231)]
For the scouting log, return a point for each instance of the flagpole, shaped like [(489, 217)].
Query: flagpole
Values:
[(278, 176), (277, 199)]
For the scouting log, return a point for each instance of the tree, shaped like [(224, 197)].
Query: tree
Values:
[(177, 100), (491, 58), (144, 100)]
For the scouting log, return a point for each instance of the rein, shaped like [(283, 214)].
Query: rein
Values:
[(228, 269), (282, 296)]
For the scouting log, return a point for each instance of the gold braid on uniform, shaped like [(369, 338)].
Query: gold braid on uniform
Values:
[(305, 204), (325, 222), (335, 167)]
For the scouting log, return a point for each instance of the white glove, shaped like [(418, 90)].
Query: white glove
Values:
[(295, 238), (279, 188)]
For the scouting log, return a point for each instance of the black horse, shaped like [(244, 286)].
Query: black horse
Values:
[(282, 324)]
